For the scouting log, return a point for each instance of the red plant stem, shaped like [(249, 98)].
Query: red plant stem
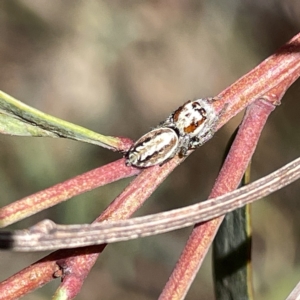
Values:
[(122, 207), (281, 70), (31, 279), (282, 67), (229, 178), (250, 87), (60, 192), (76, 263)]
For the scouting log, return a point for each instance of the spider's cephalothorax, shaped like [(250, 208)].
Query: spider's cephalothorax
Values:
[(188, 127)]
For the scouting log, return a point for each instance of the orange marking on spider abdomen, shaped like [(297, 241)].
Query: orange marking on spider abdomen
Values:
[(192, 127)]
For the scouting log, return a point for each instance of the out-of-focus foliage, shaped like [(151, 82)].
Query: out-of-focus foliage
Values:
[(119, 68)]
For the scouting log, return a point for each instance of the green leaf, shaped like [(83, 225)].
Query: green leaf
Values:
[(17, 118)]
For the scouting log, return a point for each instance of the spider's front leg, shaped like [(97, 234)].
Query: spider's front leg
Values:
[(184, 146), (197, 142)]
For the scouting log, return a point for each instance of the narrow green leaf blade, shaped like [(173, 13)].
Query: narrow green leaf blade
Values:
[(17, 118)]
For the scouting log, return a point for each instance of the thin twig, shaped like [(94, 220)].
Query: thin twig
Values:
[(47, 235), (63, 191)]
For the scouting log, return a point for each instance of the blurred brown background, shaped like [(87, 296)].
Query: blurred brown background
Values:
[(119, 68)]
